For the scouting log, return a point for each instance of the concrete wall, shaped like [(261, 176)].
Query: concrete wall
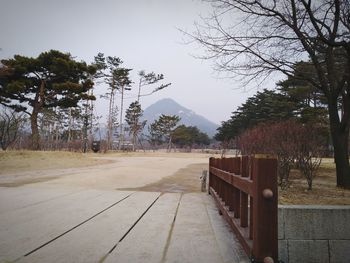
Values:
[(314, 234)]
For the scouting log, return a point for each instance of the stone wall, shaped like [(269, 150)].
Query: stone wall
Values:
[(314, 234)]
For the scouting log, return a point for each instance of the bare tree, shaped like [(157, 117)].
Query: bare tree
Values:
[(253, 39), (292, 142), (310, 151), (10, 125)]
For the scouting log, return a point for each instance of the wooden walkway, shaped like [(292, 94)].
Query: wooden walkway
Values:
[(40, 224)]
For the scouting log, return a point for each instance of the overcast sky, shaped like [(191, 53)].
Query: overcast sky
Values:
[(143, 33)]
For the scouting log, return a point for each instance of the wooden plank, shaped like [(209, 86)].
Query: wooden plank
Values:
[(23, 230), (193, 239), (92, 241), (148, 241), (243, 183), (223, 175)]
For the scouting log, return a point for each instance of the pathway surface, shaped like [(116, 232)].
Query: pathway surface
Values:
[(50, 222)]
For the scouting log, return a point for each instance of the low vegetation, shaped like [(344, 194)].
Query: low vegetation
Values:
[(295, 145), (324, 190), (19, 161)]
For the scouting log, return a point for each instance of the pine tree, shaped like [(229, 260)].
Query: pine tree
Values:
[(149, 79), (162, 129), (53, 79), (118, 80), (132, 118)]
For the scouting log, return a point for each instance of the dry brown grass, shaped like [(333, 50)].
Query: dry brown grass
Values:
[(324, 190), (17, 161)]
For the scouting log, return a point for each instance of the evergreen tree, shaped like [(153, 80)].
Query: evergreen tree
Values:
[(311, 103), (162, 129), (265, 106), (189, 136), (155, 137), (132, 118), (53, 79), (147, 79), (118, 80)]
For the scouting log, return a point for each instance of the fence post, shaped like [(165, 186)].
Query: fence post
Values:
[(210, 176), (244, 196), (228, 168), (265, 238)]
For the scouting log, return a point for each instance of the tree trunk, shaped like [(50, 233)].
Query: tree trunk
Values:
[(134, 141), (37, 106), (121, 138), (110, 119), (69, 126), (169, 144), (340, 143), (35, 130)]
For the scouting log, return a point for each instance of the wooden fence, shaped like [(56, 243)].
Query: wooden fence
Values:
[(245, 190)]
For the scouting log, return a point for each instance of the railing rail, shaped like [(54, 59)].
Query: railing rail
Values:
[(245, 189)]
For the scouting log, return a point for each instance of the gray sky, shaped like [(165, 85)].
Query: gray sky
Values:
[(143, 33)]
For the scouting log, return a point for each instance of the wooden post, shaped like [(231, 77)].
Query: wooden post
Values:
[(265, 238), (219, 180), (228, 168), (224, 190), (237, 192), (251, 216), (244, 196), (251, 200)]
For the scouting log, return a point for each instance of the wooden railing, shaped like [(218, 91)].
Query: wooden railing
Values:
[(245, 190)]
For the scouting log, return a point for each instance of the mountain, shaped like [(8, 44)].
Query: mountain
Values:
[(188, 117)]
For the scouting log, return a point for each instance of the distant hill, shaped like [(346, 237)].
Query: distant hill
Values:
[(188, 117)]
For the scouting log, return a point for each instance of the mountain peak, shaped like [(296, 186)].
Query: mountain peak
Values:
[(167, 102), (188, 117)]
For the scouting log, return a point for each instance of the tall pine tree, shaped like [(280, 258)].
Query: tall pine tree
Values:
[(53, 79)]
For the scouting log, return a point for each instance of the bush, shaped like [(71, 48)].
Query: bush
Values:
[(292, 142)]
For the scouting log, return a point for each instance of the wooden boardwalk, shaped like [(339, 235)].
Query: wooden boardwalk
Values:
[(40, 224)]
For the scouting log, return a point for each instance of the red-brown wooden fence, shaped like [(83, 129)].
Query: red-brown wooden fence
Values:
[(245, 190)]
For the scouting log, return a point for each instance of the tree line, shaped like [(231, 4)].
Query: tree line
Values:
[(56, 95), (290, 122), (306, 40)]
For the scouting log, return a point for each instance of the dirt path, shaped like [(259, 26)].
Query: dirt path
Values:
[(185, 180), (173, 173)]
